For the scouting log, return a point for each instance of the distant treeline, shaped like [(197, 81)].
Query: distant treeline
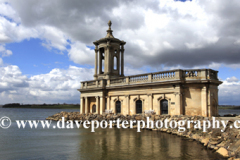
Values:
[(18, 105), (228, 107)]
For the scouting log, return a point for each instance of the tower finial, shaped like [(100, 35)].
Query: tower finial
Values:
[(109, 24), (109, 31)]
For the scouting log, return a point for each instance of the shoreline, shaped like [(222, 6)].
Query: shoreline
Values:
[(226, 143)]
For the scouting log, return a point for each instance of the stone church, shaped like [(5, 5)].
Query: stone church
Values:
[(173, 92)]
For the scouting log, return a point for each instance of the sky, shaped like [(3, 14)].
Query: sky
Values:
[(46, 47)]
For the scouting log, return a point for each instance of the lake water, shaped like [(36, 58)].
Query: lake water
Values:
[(222, 112), (82, 144)]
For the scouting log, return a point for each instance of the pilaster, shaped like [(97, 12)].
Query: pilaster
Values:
[(97, 104), (178, 103), (86, 105), (108, 103), (204, 101), (82, 106), (150, 101)]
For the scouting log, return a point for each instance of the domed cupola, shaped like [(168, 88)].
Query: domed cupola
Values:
[(109, 56)]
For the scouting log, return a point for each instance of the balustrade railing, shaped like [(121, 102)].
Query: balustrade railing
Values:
[(140, 78), (155, 77), (191, 73), (163, 75)]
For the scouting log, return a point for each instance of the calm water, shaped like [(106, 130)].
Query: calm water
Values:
[(82, 144), (222, 112)]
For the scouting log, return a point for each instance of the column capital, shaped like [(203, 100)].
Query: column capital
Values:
[(150, 94)]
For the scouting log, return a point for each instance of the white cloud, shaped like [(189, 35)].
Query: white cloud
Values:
[(9, 12), (58, 85), (4, 52), (232, 79), (193, 34), (165, 30), (81, 54), (229, 91), (1, 62)]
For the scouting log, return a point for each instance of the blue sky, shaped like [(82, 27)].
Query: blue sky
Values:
[(45, 52), (34, 59)]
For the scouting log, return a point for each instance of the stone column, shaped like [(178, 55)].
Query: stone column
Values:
[(81, 106), (86, 105), (122, 61), (108, 103), (204, 101), (100, 62), (96, 61), (107, 59), (102, 104), (118, 62), (97, 105)]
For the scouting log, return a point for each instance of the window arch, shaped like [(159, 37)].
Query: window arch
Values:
[(101, 51), (118, 107), (138, 107), (164, 106), (94, 108)]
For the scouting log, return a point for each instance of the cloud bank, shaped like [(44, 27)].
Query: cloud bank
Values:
[(159, 34)]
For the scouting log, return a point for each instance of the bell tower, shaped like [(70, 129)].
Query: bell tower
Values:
[(109, 56)]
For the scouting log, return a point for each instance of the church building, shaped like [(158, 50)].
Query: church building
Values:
[(173, 92)]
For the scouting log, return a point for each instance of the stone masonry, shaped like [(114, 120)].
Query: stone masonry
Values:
[(173, 92)]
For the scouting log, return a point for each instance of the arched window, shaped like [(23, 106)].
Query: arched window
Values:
[(138, 107), (164, 106), (94, 108), (118, 107), (101, 57), (103, 62), (115, 63)]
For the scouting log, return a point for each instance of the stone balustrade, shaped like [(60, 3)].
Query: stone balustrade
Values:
[(172, 75)]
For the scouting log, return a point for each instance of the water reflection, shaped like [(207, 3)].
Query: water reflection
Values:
[(82, 144), (128, 144)]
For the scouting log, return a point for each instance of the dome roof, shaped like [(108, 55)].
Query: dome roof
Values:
[(109, 37)]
